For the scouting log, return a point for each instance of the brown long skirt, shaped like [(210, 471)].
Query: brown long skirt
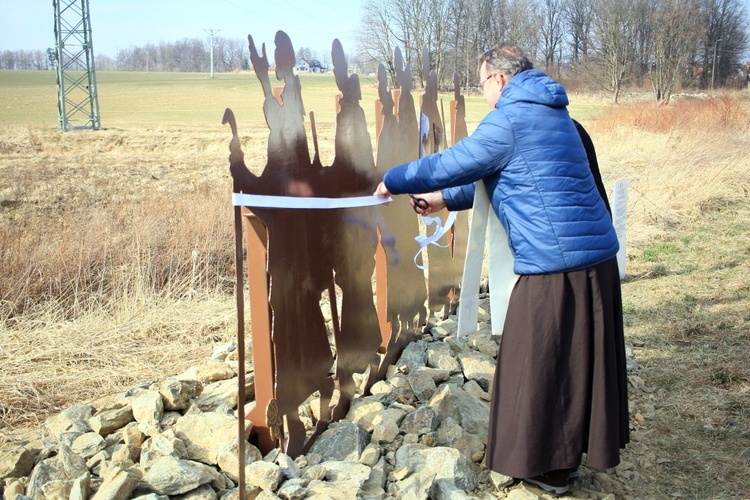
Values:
[(560, 386)]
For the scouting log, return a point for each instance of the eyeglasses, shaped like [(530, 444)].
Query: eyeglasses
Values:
[(481, 84)]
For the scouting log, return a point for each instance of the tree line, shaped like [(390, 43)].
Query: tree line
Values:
[(27, 59), (600, 44), (606, 44), (189, 54)]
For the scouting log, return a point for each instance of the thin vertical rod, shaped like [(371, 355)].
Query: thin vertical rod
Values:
[(239, 286)]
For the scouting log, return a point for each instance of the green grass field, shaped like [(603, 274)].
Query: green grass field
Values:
[(154, 100)]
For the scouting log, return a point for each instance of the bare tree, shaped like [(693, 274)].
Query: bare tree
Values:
[(25, 60), (228, 54), (105, 63), (490, 22), (614, 27), (725, 40), (644, 27), (379, 35), (551, 33), (409, 25), (437, 37), (578, 17), (614, 41), (458, 35), (673, 41), (304, 54), (409, 16), (523, 22)]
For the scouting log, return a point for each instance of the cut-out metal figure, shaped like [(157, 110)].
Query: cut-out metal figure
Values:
[(295, 257)]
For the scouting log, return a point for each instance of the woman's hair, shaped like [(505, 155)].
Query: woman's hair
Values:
[(506, 58)]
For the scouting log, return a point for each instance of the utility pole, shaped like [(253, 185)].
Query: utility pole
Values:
[(212, 33), (713, 64)]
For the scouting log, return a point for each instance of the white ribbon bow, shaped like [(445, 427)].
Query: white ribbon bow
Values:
[(440, 231)]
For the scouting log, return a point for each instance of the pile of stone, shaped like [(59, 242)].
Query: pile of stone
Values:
[(420, 434)]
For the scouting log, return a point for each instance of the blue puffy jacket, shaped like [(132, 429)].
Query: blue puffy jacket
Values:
[(534, 167)]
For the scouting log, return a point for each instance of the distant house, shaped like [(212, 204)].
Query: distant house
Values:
[(317, 67), (311, 66)]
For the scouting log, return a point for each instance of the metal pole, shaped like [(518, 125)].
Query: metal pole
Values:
[(240, 297), (713, 63), (212, 32)]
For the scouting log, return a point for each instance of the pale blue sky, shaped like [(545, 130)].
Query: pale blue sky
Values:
[(119, 24)]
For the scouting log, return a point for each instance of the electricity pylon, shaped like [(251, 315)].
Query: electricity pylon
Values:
[(77, 97)]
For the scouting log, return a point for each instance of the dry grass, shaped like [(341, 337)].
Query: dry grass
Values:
[(676, 158), (686, 296), (116, 263), (50, 362), (90, 224), (116, 267), (687, 303)]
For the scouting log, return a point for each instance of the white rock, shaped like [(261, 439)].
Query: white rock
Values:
[(119, 484), (177, 393), (209, 372), (217, 394), (477, 366), (471, 412), (264, 474), (228, 460), (148, 407), (15, 461), (172, 476), (207, 434), (108, 421), (89, 444), (441, 462)]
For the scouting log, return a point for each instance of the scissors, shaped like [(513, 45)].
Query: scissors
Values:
[(420, 203)]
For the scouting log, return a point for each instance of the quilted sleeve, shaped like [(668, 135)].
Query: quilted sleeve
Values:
[(483, 153)]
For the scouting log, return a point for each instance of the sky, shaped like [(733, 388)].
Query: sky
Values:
[(120, 24)]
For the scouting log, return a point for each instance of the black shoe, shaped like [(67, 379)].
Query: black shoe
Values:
[(556, 482), (574, 476)]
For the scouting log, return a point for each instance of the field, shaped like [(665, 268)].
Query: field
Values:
[(116, 253)]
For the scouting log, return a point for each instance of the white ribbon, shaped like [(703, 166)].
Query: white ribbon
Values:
[(502, 277), (267, 201), (440, 231)]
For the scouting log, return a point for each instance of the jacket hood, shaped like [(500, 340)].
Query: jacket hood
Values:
[(533, 86)]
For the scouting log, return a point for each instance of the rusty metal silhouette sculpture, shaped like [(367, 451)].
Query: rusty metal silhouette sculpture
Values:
[(397, 144), (445, 269), (296, 256), (355, 241), (298, 266), (460, 230)]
